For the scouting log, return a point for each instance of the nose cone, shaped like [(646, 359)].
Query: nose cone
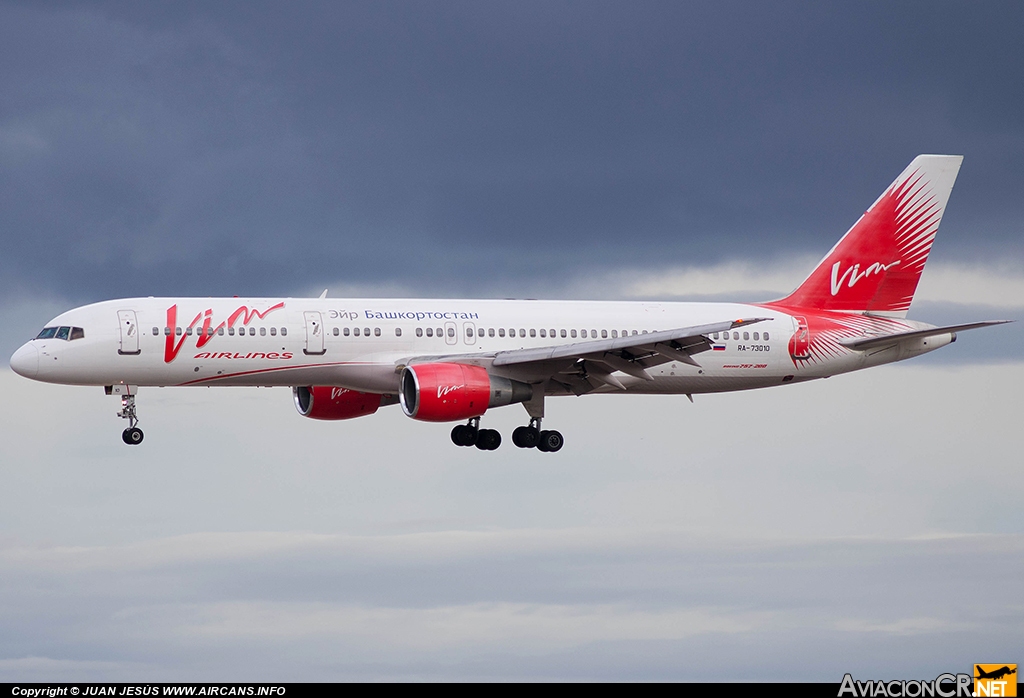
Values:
[(25, 361)]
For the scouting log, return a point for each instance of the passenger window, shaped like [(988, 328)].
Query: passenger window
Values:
[(439, 332), (615, 334), (398, 331), (231, 331), (451, 331), (469, 331), (543, 332), (220, 331), (337, 332), (167, 331), (604, 334), (77, 333), (552, 333), (263, 332), (746, 336), (572, 333), (561, 333), (766, 336), (645, 332), (583, 333), (635, 333), (490, 332), (501, 331), (533, 333), (757, 337), (735, 335), (714, 336), (156, 331), (376, 332), (345, 331), (419, 331), (188, 331), (430, 331), (177, 331), (284, 331), (355, 331), (366, 331)]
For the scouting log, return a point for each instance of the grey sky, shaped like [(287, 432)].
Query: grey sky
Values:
[(867, 523), (460, 148)]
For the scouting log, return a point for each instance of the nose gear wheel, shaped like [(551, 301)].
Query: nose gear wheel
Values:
[(132, 435)]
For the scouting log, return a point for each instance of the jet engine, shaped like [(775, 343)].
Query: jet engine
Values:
[(453, 392), (329, 403)]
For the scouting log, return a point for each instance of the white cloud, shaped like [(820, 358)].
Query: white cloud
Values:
[(998, 285), (823, 520)]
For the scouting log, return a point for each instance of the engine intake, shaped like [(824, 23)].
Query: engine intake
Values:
[(453, 392), (330, 403)]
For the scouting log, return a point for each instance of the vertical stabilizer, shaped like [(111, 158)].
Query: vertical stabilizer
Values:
[(875, 267)]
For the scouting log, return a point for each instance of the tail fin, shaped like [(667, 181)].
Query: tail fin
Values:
[(875, 267)]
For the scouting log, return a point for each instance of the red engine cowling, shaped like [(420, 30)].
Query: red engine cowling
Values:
[(453, 392), (326, 402)]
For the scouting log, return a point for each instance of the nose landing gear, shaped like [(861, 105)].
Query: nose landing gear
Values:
[(132, 435)]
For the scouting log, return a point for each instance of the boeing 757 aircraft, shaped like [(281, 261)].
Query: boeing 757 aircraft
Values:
[(452, 360)]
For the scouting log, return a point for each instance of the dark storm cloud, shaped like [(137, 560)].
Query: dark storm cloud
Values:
[(477, 147)]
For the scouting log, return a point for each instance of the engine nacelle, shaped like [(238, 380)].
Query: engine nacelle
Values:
[(329, 403), (453, 392)]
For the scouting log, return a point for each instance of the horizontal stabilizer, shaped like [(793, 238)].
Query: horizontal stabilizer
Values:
[(863, 343)]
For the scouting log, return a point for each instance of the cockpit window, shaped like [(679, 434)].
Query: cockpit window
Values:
[(67, 333)]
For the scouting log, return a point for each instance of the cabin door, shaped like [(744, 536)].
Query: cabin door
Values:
[(314, 332), (800, 344), (129, 332)]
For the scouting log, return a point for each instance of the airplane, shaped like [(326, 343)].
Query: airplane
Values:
[(996, 674), (452, 360)]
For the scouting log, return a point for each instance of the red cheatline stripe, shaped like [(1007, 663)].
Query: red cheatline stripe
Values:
[(272, 370)]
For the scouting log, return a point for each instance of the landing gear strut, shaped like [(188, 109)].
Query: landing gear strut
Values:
[(132, 435), (532, 437), (472, 435)]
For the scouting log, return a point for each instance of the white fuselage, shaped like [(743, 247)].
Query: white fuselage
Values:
[(362, 344)]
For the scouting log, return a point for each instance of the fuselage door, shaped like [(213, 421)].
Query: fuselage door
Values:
[(800, 344), (129, 332), (450, 333), (314, 332)]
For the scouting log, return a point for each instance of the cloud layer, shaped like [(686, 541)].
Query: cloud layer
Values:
[(867, 523)]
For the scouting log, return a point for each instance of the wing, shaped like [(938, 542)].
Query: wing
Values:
[(583, 366), (864, 343)]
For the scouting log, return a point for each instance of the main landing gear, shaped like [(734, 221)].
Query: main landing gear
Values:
[(472, 435), (132, 435), (532, 437), (524, 437)]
